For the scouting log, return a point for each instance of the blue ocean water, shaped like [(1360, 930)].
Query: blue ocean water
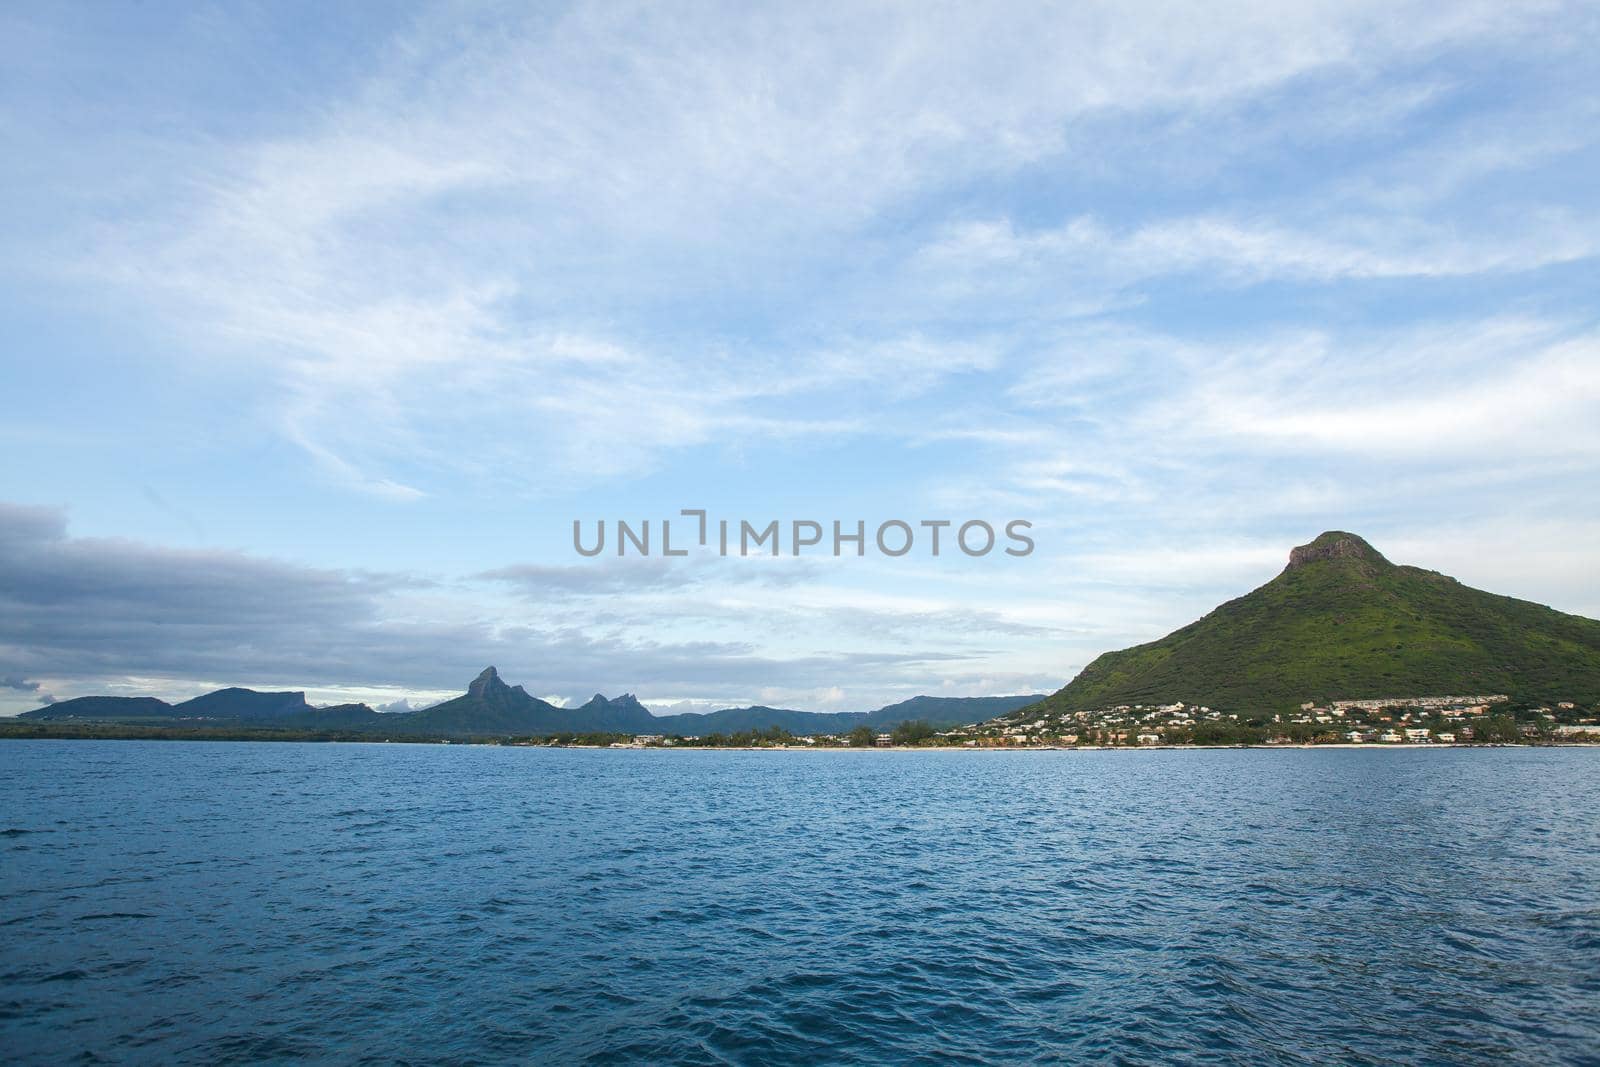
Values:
[(187, 902)]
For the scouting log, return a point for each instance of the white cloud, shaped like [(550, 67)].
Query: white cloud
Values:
[(1545, 558), (1084, 254), (1538, 405), (463, 249)]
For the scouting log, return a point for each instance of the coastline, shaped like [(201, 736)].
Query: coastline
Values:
[(36, 733)]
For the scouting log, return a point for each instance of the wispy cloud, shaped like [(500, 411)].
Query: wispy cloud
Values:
[(476, 246), (1229, 251), (633, 575)]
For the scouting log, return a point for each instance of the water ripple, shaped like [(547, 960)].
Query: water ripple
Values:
[(234, 903)]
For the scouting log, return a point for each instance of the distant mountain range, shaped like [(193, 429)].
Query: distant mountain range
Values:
[(491, 708), (1342, 622)]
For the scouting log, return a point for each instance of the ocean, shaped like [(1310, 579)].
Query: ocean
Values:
[(185, 902)]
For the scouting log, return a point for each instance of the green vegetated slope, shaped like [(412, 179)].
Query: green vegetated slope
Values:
[(1342, 622)]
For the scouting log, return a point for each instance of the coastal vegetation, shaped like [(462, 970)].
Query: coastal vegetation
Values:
[(1522, 726)]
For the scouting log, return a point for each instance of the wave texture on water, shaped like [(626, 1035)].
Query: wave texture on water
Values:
[(192, 902)]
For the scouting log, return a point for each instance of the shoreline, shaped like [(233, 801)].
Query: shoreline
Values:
[(984, 749), (1051, 748)]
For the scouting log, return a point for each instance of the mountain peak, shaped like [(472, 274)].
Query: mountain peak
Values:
[(485, 683), (1335, 544), (1343, 623)]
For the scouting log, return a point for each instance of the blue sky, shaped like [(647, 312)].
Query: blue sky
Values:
[(321, 326)]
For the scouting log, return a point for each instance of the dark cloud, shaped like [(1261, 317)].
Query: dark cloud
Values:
[(645, 574), (20, 684), (79, 607), (898, 624), (87, 611), (601, 578)]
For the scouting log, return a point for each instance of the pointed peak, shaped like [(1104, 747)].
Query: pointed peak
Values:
[(486, 682), (1335, 544)]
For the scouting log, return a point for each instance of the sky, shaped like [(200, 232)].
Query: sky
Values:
[(321, 324)]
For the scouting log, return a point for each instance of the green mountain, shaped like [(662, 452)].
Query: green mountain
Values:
[(102, 709), (944, 711), (492, 707), (1342, 622), (754, 717), (231, 704), (236, 703), (489, 706)]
